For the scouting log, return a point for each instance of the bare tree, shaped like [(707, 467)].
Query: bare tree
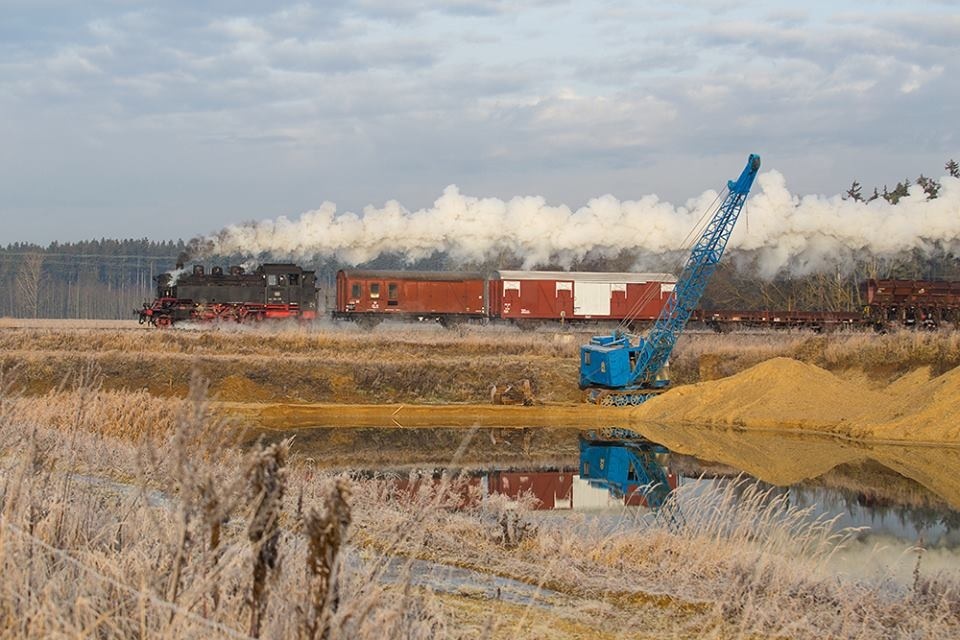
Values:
[(28, 284)]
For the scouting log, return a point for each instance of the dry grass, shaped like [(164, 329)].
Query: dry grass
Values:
[(181, 534)]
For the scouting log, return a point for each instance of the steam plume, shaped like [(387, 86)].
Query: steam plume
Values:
[(782, 231)]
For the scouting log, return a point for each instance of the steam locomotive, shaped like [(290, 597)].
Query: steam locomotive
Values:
[(271, 291)]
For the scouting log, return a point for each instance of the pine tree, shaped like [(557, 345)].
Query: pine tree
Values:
[(853, 193), (900, 191), (952, 168), (930, 186)]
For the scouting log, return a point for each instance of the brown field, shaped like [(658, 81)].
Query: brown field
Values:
[(128, 508)]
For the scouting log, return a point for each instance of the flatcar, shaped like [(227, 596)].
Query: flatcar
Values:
[(271, 291), (816, 321)]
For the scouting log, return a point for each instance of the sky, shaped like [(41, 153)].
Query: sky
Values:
[(137, 118)]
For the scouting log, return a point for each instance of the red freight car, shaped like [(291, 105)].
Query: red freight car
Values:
[(370, 296), (576, 296), (551, 489), (927, 303)]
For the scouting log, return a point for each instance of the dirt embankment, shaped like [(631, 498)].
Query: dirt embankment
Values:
[(782, 393), (838, 383)]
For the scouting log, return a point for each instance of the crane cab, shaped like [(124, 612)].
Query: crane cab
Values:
[(606, 362), (611, 362)]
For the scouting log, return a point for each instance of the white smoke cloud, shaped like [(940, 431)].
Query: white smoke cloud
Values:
[(781, 230)]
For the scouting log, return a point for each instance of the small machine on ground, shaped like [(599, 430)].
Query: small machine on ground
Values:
[(614, 370)]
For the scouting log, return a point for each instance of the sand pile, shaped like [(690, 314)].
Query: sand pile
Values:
[(931, 412), (787, 394)]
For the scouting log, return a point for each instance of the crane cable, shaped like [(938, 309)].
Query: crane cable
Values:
[(686, 245)]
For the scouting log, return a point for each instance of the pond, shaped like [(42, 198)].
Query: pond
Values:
[(901, 498)]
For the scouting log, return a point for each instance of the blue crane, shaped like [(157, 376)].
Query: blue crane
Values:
[(613, 370)]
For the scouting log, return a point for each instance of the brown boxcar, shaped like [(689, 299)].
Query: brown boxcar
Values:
[(418, 295), (561, 295), (913, 302)]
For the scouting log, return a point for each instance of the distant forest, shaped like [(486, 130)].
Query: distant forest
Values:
[(110, 278)]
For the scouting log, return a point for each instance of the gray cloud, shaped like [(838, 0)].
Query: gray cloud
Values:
[(178, 118)]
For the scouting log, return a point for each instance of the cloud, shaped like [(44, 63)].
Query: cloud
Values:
[(375, 100)]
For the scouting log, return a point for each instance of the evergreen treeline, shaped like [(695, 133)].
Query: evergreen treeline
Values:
[(930, 186), (110, 278), (91, 279)]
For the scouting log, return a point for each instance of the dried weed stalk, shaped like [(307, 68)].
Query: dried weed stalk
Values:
[(325, 531), (267, 481)]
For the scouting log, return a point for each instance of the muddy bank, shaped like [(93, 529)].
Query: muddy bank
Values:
[(898, 387), (288, 416)]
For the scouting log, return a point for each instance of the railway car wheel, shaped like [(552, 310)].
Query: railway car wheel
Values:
[(368, 322)]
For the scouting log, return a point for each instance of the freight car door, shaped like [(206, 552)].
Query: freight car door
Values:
[(591, 299), (618, 300), (511, 299), (564, 300)]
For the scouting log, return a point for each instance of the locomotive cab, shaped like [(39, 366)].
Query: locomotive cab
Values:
[(288, 284)]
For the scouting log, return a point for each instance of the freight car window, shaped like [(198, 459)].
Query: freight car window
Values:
[(374, 289), (355, 290), (393, 291)]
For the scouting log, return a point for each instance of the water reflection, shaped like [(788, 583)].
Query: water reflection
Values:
[(628, 467), (909, 493)]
